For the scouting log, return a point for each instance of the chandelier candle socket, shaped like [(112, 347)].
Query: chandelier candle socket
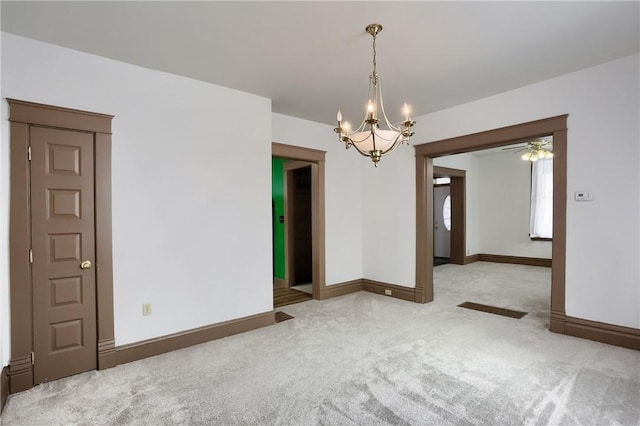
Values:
[(370, 139)]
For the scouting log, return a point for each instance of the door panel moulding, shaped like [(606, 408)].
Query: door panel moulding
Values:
[(22, 115)]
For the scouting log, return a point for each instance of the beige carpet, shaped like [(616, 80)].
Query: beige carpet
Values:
[(368, 359)]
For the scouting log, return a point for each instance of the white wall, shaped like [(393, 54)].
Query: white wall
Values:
[(602, 276), (191, 197), (505, 180), (343, 193), (388, 218)]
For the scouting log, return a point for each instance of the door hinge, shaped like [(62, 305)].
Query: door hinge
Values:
[(29, 153), (30, 256), (33, 358)]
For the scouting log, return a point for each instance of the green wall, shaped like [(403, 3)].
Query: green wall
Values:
[(277, 198)]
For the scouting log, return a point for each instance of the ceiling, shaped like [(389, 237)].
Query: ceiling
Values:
[(312, 58), (517, 147)]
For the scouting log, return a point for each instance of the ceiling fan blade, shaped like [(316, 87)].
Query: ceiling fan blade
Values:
[(514, 147)]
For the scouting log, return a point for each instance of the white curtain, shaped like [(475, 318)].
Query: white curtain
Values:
[(542, 199)]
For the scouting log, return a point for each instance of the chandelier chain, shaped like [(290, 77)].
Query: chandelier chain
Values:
[(375, 74)]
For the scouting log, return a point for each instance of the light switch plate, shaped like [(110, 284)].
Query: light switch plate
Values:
[(583, 196)]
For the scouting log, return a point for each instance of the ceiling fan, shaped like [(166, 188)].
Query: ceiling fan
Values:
[(534, 150)]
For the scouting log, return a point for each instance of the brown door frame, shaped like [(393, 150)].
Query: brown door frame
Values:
[(457, 190), (289, 261), (22, 115), (555, 126), (317, 160)]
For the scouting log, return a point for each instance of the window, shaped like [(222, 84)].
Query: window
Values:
[(441, 181), (542, 199), (446, 212)]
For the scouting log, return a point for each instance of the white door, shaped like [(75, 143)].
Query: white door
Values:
[(441, 221)]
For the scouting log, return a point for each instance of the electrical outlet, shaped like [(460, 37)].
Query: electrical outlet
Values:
[(387, 292), (146, 309)]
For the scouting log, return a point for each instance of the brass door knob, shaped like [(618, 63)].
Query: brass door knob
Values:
[(85, 265)]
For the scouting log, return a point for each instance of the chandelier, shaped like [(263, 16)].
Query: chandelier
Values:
[(536, 150), (370, 139)]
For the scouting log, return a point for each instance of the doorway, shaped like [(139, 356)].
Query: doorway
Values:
[(556, 127), (303, 218), (295, 229), (299, 238), (441, 224), (457, 207), (60, 221)]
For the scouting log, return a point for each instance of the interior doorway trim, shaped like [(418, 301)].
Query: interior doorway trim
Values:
[(555, 126), (317, 160), (22, 115)]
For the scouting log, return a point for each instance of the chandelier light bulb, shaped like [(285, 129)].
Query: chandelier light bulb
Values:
[(406, 110), (339, 116), (371, 110)]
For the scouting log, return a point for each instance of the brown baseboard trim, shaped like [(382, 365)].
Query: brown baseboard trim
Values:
[(184, 339), (471, 259), (399, 292), (516, 260), (617, 335), (20, 374), (557, 321), (280, 282), (4, 387), (106, 354), (341, 289)]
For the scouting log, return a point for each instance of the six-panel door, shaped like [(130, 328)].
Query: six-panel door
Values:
[(63, 237)]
